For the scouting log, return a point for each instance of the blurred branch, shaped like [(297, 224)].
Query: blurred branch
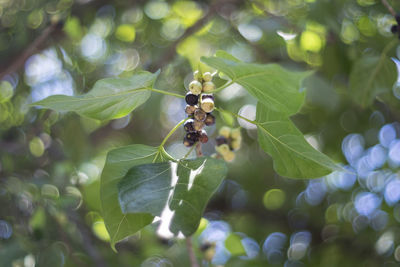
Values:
[(30, 50), (192, 257), (389, 7), (199, 153)]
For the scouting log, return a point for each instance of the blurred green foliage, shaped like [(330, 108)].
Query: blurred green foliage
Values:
[(51, 163)]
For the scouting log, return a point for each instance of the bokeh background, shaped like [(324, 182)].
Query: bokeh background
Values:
[(50, 163)]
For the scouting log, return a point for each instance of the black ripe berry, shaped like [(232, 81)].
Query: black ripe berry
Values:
[(209, 96), (203, 137), (200, 114), (191, 99), (190, 139), (210, 120), (188, 126), (394, 29), (221, 140)]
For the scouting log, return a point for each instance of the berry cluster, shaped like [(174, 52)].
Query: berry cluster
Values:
[(228, 141), (396, 28), (199, 106)]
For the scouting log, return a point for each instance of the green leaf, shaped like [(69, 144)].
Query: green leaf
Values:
[(118, 163), (233, 243), (293, 156), (271, 84), (371, 76), (110, 98), (151, 187)]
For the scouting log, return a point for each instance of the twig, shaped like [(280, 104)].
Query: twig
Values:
[(30, 50), (192, 257), (389, 7), (199, 153)]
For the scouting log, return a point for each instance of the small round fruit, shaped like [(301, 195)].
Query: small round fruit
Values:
[(210, 120), (207, 77), (208, 86), (190, 109), (195, 87), (223, 149), (200, 114), (394, 29), (235, 133), (191, 99), (189, 126), (190, 139), (203, 137), (225, 131), (220, 140), (198, 125), (197, 75), (207, 96), (229, 156), (207, 105), (236, 144)]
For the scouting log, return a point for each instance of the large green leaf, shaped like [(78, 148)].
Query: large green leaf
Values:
[(110, 98), (371, 76), (118, 162), (272, 85), (293, 156), (151, 187)]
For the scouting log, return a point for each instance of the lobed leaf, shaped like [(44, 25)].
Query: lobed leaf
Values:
[(272, 85), (110, 98), (117, 165), (151, 188), (293, 156), (371, 76)]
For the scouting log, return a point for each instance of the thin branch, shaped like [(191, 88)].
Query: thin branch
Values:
[(30, 50), (389, 7), (193, 260), (199, 153), (170, 53)]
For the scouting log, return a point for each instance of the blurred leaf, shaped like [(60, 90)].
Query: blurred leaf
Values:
[(118, 162), (233, 243), (110, 98), (51, 256), (147, 189), (271, 84), (371, 76), (293, 156)]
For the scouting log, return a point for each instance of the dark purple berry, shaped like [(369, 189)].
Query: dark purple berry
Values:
[(210, 120), (394, 28), (205, 96), (200, 114), (221, 140), (190, 109), (191, 99), (189, 126), (191, 138), (203, 137)]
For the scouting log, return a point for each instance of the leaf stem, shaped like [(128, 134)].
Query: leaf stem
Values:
[(236, 115), (166, 92), (222, 87), (192, 257), (389, 8), (188, 153), (172, 131)]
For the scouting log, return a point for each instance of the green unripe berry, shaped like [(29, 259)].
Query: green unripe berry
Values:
[(229, 156), (207, 105), (208, 86), (236, 144), (195, 87), (207, 77), (235, 133), (225, 132), (197, 75), (223, 149)]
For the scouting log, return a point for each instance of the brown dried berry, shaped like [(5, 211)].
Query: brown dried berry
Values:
[(190, 109), (200, 114), (210, 120)]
